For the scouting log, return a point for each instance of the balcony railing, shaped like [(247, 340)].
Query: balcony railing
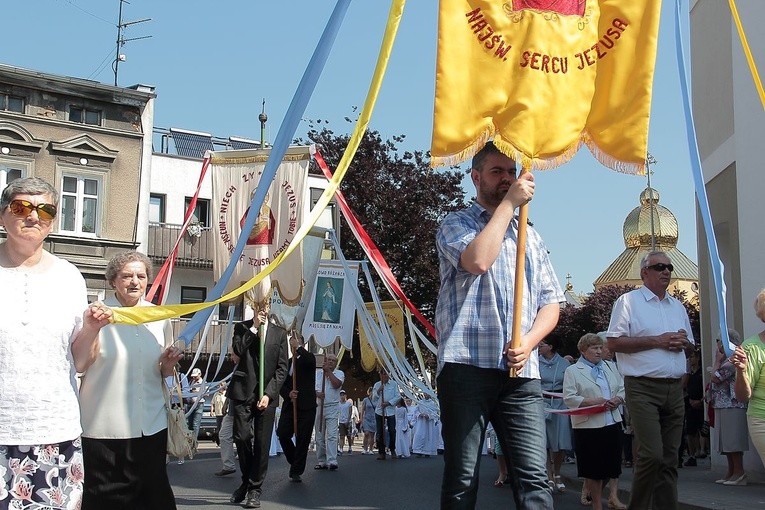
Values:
[(215, 336), (193, 251)]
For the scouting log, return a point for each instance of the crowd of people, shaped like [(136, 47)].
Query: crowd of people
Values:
[(94, 422)]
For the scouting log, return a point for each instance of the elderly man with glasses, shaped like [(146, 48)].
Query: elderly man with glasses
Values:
[(650, 333)]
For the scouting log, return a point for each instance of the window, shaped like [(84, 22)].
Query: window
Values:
[(11, 103), (192, 295), (95, 295), (80, 204), (201, 211), (156, 297), (328, 218), (8, 174), (84, 116), (156, 208), (238, 311)]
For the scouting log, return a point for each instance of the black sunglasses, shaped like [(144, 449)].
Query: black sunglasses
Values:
[(661, 267), (24, 208)]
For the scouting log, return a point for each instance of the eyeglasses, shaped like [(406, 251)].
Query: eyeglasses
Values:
[(661, 267), (24, 208)]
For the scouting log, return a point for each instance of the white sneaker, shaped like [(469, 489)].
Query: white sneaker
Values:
[(181, 461)]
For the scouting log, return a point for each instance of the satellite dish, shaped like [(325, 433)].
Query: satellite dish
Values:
[(695, 287)]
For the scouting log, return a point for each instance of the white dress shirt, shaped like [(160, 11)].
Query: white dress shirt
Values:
[(121, 394), (391, 395), (331, 395), (641, 313)]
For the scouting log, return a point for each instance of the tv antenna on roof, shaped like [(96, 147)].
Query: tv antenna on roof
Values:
[(121, 57)]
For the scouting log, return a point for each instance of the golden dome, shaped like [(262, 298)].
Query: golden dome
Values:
[(637, 225)]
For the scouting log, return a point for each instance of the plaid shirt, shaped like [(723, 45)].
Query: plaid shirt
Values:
[(474, 312)]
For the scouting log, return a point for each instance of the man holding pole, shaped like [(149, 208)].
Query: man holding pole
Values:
[(385, 396), (329, 381), (477, 252), (252, 404), (298, 409)]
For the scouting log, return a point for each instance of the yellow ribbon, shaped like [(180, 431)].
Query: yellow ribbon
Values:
[(747, 52), (142, 314)]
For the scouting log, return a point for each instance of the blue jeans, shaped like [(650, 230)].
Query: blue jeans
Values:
[(470, 398), (194, 420)]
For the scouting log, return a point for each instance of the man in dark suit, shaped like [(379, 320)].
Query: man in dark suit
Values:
[(304, 369), (253, 416)]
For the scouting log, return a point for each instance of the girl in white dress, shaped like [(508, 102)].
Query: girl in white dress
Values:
[(403, 430)]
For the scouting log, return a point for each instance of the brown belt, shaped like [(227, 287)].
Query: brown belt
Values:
[(666, 380)]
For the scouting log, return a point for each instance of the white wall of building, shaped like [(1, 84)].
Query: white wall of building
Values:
[(734, 157), (749, 122), (177, 177), (147, 125)]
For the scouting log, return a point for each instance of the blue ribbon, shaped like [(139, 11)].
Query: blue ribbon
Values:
[(701, 191), (281, 144)]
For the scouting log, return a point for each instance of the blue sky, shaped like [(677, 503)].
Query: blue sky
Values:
[(213, 63)]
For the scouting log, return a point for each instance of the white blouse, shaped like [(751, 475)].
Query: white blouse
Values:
[(121, 393), (41, 314)]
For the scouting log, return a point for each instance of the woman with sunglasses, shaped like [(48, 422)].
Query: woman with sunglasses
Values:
[(45, 339)]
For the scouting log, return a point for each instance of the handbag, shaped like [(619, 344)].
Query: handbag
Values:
[(181, 442)]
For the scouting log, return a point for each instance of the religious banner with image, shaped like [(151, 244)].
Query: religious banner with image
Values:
[(394, 316), (291, 315), (331, 310), (235, 177)]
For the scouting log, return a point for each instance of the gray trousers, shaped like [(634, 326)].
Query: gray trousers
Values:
[(657, 411)]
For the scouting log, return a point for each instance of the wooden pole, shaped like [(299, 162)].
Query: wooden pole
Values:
[(262, 362), (294, 388), (520, 276), (321, 411), (381, 392)]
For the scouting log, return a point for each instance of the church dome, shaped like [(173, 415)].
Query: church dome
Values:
[(637, 225)]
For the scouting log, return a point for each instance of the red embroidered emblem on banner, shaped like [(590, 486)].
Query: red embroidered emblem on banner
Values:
[(562, 7)]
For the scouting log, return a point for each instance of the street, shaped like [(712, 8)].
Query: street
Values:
[(362, 482)]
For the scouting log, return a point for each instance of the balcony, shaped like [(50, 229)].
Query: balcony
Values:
[(193, 251), (215, 336)]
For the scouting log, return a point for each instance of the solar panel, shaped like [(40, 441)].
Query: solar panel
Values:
[(243, 143), (191, 144)]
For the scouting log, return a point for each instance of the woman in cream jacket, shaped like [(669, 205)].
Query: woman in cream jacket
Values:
[(597, 389)]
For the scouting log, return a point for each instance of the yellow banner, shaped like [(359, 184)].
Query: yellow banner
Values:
[(395, 319), (542, 77)]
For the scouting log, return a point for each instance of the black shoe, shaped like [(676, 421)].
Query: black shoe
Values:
[(333, 467), (691, 462), (253, 499), (225, 472), (295, 478), (239, 494)]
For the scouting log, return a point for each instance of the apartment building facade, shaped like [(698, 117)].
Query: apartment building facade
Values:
[(92, 142)]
